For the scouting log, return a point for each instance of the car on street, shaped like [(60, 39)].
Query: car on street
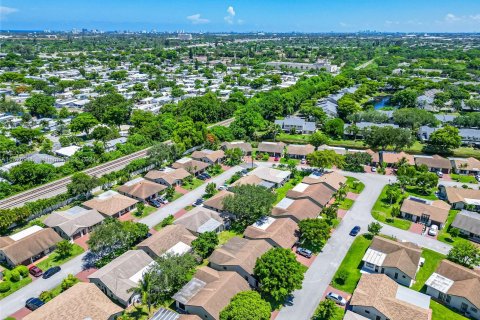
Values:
[(304, 252), (35, 271), (34, 303), (355, 231), (50, 272), (276, 159), (222, 188), (433, 230), (198, 202), (338, 299), (374, 169)]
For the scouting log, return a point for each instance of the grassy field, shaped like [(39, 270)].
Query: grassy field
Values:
[(463, 179), (148, 210), (382, 212), (444, 234), (441, 312), (432, 260), (192, 185), (354, 185), (14, 286), (226, 235), (351, 265), (290, 184), (54, 259), (346, 204)]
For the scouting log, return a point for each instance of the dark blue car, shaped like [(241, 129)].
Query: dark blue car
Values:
[(50, 272), (34, 303), (355, 231)]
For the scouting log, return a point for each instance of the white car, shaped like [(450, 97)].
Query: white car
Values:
[(477, 177), (440, 174), (338, 299), (433, 231), (304, 161), (374, 169)]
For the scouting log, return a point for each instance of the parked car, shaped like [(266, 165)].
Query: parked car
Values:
[(35, 271), (155, 203), (208, 176), (34, 303), (355, 231), (433, 230), (477, 177), (303, 161), (304, 252), (440, 174), (276, 159), (338, 299), (50, 272), (202, 177), (222, 188), (198, 202), (374, 169)]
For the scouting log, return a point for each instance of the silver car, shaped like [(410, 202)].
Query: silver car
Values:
[(338, 299)]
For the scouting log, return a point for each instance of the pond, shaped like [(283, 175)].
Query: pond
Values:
[(380, 102)]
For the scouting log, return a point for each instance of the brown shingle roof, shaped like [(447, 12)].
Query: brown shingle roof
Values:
[(437, 209), (470, 164), (392, 157), (379, 291), (300, 209), (29, 246), (281, 231), (250, 179), (244, 146), (405, 256), (82, 301), (70, 223), (435, 161), (142, 189), (332, 179), (166, 238), (271, 147), (319, 193), (299, 149), (192, 166), (460, 194), (216, 201), (111, 205), (170, 177), (240, 252), (213, 156)]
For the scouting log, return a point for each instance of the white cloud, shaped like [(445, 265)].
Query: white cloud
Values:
[(197, 19), (231, 11), (4, 11), (343, 24), (450, 17), (231, 15)]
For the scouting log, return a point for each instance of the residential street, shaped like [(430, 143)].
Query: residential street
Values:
[(17, 299)]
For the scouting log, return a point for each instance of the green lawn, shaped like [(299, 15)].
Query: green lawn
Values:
[(148, 210), (226, 235), (382, 212), (176, 195), (432, 260), (192, 185), (444, 234), (346, 204), (463, 178), (351, 265), (354, 185), (289, 185), (14, 286), (165, 222), (441, 312), (54, 260), (293, 138)]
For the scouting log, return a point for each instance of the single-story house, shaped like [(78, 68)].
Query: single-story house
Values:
[(82, 301), (461, 198), (215, 203), (425, 211), (67, 152), (319, 193), (244, 146), (209, 292), (200, 220), (391, 158), (377, 297), (74, 222), (466, 166), (456, 287), (27, 246), (332, 179), (468, 223), (279, 233), (239, 255), (192, 166), (209, 156), (111, 204), (274, 149), (350, 315), (299, 151), (122, 274), (296, 124), (297, 210), (174, 239), (252, 180), (111, 145), (398, 260), (168, 177), (142, 189), (275, 176), (435, 163)]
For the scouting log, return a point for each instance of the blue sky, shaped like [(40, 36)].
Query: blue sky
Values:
[(243, 15)]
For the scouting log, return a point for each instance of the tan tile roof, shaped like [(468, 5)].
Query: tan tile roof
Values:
[(219, 290), (470, 164), (70, 223), (192, 166), (436, 209), (82, 301), (29, 246), (379, 291), (216, 201), (404, 256), (460, 194), (198, 216), (170, 177), (301, 209), (143, 189), (299, 149), (250, 179), (111, 205), (319, 193), (244, 146), (466, 281), (271, 147), (166, 238), (240, 252), (392, 157), (213, 156), (332, 179), (435, 161), (281, 231)]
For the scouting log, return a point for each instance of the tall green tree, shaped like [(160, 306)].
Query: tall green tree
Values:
[(41, 105), (246, 305), (444, 139), (205, 243), (465, 253), (83, 122)]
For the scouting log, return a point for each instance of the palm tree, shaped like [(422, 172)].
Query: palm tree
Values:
[(143, 289), (341, 194)]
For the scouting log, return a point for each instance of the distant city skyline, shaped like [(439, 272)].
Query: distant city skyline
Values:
[(243, 16)]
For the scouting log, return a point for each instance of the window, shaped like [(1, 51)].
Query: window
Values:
[(366, 311), (473, 309)]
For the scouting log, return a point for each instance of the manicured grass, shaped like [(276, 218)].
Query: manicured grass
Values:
[(54, 260), (354, 185), (441, 312), (286, 161), (463, 178), (289, 185), (382, 212), (339, 313), (432, 260), (139, 312), (226, 235), (165, 222), (346, 204), (413, 191), (293, 138), (176, 195), (356, 144), (351, 265), (148, 210), (192, 185), (444, 234), (14, 286)]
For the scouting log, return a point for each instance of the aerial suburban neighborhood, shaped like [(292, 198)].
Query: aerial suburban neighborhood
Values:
[(214, 172)]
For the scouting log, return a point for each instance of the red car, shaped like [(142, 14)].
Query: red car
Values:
[(277, 158), (35, 271)]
